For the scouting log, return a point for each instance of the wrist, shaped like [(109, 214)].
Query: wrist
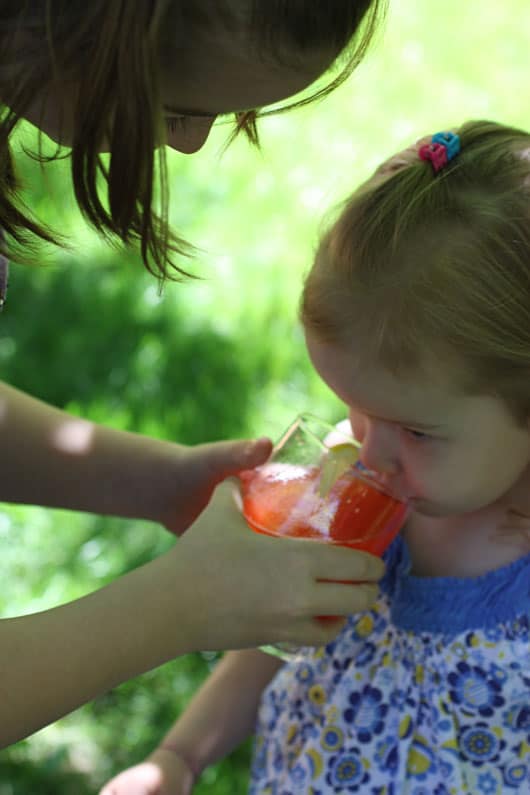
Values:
[(156, 479), (183, 756)]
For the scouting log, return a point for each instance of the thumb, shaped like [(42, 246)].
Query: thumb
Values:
[(228, 458)]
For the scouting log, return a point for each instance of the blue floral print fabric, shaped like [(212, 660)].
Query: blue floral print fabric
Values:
[(428, 693)]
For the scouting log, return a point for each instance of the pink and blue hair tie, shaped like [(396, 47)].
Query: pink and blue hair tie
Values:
[(444, 146)]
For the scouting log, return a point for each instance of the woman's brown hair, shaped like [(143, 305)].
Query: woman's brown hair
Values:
[(111, 50), (434, 269)]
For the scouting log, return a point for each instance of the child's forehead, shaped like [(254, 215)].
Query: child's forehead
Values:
[(401, 397), (425, 394)]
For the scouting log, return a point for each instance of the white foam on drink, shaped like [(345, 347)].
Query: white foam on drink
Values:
[(310, 509), (282, 473), (322, 518)]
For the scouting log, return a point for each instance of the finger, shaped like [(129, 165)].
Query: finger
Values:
[(321, 560), (224, 459), (333, 562), (308, 557), (341, 599)]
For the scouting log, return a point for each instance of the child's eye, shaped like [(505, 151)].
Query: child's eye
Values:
[(417, 434)]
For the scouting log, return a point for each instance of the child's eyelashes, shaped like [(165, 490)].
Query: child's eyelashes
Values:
[(419, 435)]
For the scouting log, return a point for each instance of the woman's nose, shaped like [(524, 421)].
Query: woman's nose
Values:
[(192, 136)]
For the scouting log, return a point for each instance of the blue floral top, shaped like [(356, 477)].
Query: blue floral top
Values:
[(428, 693)]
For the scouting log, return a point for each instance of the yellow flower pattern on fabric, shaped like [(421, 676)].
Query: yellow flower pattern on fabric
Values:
[(332, 738), (317, 695)]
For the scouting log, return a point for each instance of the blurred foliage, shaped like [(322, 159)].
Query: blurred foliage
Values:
[(217, 357)]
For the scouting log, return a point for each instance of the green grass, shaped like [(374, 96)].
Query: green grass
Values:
[(221, 357)]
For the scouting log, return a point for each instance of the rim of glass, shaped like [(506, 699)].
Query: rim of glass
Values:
[(303, 420), (368, 476)]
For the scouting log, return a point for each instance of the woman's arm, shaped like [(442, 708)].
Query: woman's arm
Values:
[(54, 459), (221, 586), (54, 661)]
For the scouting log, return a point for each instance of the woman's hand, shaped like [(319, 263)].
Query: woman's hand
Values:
[(162, 773), (245, 589), (195, 473), (82, 466)]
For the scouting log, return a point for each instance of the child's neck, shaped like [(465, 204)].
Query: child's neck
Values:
[(471, 544)]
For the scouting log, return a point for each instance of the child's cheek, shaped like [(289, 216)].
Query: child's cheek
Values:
[(418, 481)]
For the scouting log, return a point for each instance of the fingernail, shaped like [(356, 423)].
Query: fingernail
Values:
[(263, 441)]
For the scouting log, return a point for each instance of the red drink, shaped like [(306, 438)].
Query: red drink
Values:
[(314, 486), (283, 499)]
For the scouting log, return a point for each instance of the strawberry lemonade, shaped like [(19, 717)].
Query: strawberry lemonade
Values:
[(283, 499)]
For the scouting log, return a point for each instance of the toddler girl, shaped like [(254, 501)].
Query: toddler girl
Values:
[(417, 315)]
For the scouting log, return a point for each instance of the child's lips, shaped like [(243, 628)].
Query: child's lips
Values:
[(405, 495), (414, 498), (396, 488)]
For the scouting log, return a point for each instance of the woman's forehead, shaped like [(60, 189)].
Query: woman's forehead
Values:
[(217, 76)]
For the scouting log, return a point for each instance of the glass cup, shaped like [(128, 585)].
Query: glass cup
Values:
[(314, 487)]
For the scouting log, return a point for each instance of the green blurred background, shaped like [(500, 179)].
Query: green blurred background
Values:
[(217, 358)]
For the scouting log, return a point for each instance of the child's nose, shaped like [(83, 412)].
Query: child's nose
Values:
[(378, 450)]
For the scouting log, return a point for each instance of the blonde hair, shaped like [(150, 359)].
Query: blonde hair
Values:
[(435, 268), (113, 52)]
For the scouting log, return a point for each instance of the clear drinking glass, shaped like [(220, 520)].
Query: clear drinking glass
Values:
[(314, 487)]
